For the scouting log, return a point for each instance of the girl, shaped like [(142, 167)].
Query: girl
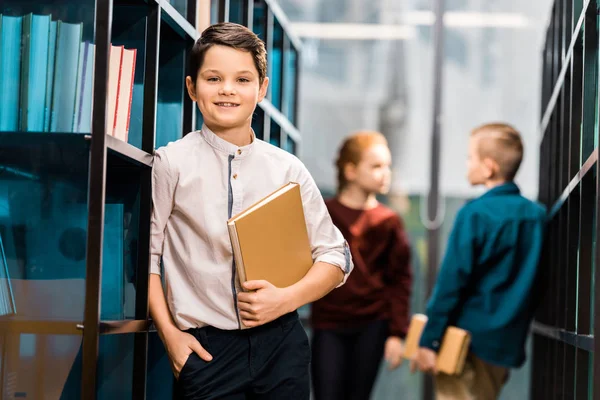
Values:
[(367, 318)]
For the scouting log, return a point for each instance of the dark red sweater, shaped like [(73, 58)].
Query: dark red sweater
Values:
[(379, 287)]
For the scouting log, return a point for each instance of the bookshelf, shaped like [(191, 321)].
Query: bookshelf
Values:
[(75, 201)]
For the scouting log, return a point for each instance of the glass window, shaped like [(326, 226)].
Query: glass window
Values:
[(290, 77), (259, 20), (199, 118), (159, 384), (276, 65), (58, 356), (43, 224), (258, 123), (121, 238), (238, 11), (214, 11), (275, 138), (115, 367), (169, 118), (290, 145), (180, 6)]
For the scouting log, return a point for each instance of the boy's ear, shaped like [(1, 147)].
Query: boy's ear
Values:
[(492, 168), (191, 88), (262, 92)]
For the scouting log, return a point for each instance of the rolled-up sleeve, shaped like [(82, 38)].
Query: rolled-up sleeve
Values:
[(164, 181), (327, 242)]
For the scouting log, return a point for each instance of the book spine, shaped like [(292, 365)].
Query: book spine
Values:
[(114, 127), (50, 76), (130, 96), (25, 67), (10, 76), (237, 254)]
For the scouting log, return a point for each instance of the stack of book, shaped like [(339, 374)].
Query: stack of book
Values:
[(46, 76)]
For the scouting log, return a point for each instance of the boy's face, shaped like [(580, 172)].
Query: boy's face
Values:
[(479, 170), (372, 174), (227, 87)]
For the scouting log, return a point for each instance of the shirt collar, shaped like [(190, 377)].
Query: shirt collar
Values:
[(504, 189), (225, 146)]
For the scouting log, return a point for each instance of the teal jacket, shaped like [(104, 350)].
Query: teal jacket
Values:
[(488, 274)]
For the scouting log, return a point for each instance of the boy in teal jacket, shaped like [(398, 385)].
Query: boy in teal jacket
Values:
[(486, 281)]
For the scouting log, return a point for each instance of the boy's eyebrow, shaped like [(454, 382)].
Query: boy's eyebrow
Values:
[(214, 71)]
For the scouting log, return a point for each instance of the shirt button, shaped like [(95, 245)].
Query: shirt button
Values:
[(234, 176), (239, 152), (436, 344)]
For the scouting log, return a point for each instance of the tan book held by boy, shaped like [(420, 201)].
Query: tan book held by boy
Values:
[(453, 351), (270, 239)]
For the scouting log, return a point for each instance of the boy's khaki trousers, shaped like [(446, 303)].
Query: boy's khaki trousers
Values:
[(478, 381)]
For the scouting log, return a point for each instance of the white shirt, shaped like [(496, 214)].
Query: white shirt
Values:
[(200, 181)]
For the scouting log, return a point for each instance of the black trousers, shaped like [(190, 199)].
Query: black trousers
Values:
[(345, 362), (268, 362)]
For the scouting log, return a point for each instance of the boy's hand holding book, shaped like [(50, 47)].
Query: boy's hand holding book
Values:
[(263, 303), (425, 361), (452, 354)]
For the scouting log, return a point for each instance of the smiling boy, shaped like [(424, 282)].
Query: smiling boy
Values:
[(198, 183)]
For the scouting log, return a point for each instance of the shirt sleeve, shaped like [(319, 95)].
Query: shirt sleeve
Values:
[(327, 242), (163, 190), (399, 278), (454, 275)]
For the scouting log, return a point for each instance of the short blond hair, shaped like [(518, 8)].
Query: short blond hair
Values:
[(352, 150), (501, 143)]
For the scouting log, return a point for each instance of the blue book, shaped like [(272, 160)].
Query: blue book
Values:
[(68, 40), (10, 72), (7, 299), (78, 87), (36, 31), (113, 279), (50, 75), (83, 113)]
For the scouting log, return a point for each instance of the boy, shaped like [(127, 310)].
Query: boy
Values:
[(488, 273), (198, 183)]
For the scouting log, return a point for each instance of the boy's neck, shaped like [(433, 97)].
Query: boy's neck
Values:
[(492, 183), (239, 136), (354, 197)]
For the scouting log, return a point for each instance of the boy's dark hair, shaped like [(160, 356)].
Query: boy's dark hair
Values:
[(231, 35), (502, 143)]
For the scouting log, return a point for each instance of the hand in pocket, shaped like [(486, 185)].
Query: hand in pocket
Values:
[(180, 345)]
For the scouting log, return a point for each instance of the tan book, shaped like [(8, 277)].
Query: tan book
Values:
[(453, 350), (270, 239), (114, 76), (125, 94), (415, 329)]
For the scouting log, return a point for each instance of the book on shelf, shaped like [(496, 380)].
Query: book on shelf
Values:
[(68, 38), (35, 45), (7, 299), (46, 75), (453, 350), (10, 71), (270, 239)]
